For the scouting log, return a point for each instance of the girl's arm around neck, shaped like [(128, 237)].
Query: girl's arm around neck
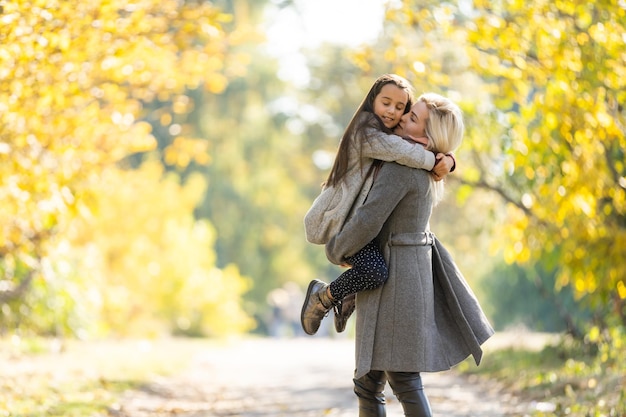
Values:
[(379, 145)]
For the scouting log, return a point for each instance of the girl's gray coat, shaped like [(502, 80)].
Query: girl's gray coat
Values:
[(332, 207), (415, 322)]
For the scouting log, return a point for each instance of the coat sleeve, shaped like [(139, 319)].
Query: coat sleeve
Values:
[(379, 145), (391, 185)]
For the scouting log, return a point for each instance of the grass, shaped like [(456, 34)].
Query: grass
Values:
[(83, 398), (566, 379)]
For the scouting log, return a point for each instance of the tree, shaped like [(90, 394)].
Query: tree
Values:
[(560, 91), (260, 134), (554, 74), (74, 79)]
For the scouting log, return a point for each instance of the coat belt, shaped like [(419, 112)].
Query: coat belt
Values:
[(412, 239)]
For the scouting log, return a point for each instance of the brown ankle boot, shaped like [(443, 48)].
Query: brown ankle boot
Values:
[(316, 305), (343, 311)]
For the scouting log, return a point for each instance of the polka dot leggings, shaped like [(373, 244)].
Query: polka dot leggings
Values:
[(368, 271)]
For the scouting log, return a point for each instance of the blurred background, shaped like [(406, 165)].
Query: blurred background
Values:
[(157, 158)]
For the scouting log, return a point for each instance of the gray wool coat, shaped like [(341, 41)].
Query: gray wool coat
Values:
[(333, 206), (416, 321)]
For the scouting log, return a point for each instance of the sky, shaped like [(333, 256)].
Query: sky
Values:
[(312, 22)]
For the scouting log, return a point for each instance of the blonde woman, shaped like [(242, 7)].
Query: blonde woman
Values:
[(415, 322)]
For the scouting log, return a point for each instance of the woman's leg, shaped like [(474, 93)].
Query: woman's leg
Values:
[(369, 389), (408, 388)]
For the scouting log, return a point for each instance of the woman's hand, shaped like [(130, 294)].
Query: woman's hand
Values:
[(444, 164)]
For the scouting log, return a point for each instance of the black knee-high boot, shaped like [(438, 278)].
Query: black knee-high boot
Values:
[(408, 388), (369, 390)]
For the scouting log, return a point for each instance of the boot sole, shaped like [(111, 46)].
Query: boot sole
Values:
[(306, 302)]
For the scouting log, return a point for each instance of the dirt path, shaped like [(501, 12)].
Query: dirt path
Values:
[(296, 378)]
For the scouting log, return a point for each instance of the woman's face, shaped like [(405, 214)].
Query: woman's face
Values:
[(413, 124), (389, 104)]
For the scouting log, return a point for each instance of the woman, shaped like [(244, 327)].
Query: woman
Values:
[(414, 322)]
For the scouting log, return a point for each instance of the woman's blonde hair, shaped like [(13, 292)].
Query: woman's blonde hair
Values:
[(444, 129)]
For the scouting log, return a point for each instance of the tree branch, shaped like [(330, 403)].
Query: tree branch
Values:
[(501, 192)]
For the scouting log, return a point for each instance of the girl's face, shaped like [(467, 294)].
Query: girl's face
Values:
[(389, 104)]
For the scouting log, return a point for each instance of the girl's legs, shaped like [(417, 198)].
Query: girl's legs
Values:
[(369, 390), (408, 388), (368, 271)]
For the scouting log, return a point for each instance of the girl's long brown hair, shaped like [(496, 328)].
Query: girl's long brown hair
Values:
[(358, 124)]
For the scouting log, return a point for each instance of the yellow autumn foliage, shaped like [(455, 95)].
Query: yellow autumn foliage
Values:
[(155, 264), (112, 249), (552, 75)]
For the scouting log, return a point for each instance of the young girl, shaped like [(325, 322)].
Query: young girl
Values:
[(368, 138)]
